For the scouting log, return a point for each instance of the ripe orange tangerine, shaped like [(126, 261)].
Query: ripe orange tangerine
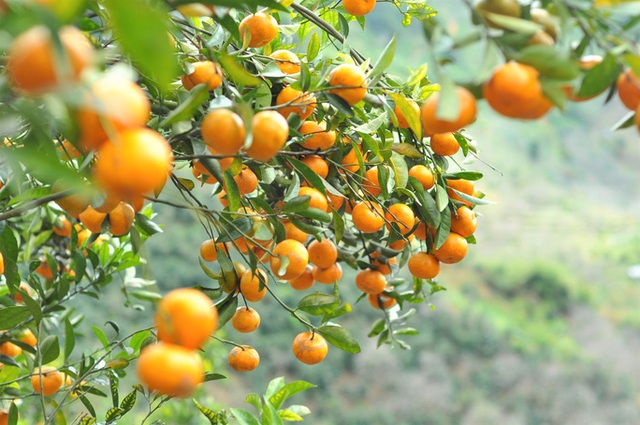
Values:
[(260, 27), (466, 113), (297, 255), (204, 72), (47, 381), (121, 219), (111, 106), (381, 301), (444, 144), (244, 358), (423, 265), (292, 101), (250, 283), (358, 7), (368, 217), (319, 137), (628, 86), (32, 60), (186, 317), (328, 275), (170, 369), (402, 215), (136, 162), (318, 200), (424, 175), (349, 82), (322, 254), (464, 222), (371, 281), (514, 91), (223, 130), (453, 250), (317, 164), (245, 320), (304, 281), (270, 133), (464, 186), (287, 61), (310, 348)]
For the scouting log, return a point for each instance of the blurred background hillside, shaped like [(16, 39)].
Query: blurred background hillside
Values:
[(539, 325)]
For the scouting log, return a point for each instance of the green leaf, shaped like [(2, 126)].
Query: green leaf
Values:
[(101, 336), (244, 417), (297, 204), (146, 295), (146, 226), (254, 400), (338, 225), (275, 385), (235, 229), (117, 363), (442, 198), (236, 72), (413, 118), (49, 349), (472, 199), (518, 25), (141, 31), (550, 62), (129, 401), (9, 250), (400, 170), (466, 175), (12, 316), (288, 415), (113, 414), (30, 194), (208, 413), (340, 338), (377, 327), (185, 110), (88, 420), (69, 338), (597, 79), (318, 304), (316, 214), (308, 174), (385, 59), (289, 390), (340, 104), (233, 193), (213, 377), (113, 385), (13, 414), (371, 126), (87, 404), (226, 309), (269, 415), (313, 48)]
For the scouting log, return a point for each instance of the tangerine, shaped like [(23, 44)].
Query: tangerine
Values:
[(310, 348), (223, 130), (349, 82), (514, 91), (186, 317), (244, 358), (466, 114), (170, 369)]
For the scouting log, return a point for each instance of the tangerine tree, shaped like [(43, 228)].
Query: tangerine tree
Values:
[(300, 157)]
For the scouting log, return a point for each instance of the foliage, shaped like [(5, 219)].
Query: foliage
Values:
[(48, 270)]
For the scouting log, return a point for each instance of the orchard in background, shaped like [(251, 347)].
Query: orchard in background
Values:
[(313, 157)]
